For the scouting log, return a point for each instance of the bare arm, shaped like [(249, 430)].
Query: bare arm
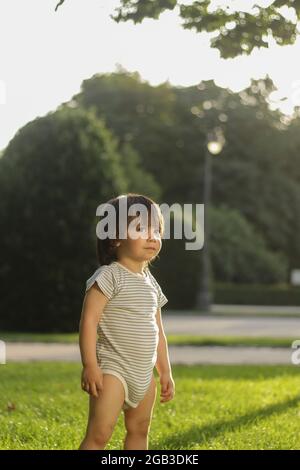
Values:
[(162, 365), (92, 309)]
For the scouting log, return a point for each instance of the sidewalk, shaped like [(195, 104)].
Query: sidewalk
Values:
[(189, 355), (212, 325), (209, 325)]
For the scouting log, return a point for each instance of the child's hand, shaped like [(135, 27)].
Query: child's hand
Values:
[(92, 380), (167, 385)]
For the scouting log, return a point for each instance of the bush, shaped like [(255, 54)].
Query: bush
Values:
[(53, 175)]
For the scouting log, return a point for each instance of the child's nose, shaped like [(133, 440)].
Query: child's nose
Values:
[(152, 234)]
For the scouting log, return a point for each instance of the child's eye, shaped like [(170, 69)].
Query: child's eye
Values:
[(143, 229)]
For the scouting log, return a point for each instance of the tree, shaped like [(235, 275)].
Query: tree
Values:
[(152, 121), (167, 126), (239, 252), (235, 31)]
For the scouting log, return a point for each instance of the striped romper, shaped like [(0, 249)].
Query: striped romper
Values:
[(128, 332)]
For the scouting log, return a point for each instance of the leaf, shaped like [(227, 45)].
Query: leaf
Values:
[(60, 3)]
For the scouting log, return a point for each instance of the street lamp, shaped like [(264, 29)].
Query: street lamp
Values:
[(214, 145)]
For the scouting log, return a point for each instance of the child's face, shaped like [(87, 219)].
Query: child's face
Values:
[(146, 246)]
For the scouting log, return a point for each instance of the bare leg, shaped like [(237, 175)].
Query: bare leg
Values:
[(138, 420), (103, 414)]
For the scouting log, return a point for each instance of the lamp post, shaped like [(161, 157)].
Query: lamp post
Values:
[(214, 145)]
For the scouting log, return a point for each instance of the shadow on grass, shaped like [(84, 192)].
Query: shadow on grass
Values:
[(199, 435)]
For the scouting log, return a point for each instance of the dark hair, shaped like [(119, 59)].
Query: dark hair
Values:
[(106, 248)]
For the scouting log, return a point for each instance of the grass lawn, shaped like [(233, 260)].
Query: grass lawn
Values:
[(194, 340), (215, 407)]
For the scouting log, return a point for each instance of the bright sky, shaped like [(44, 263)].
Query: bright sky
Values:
[(46, 55)]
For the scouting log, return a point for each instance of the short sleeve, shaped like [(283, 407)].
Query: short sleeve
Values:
[(105, 280), (161, 298)]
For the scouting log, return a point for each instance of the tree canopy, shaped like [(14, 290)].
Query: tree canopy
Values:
[(121, 134), (53, 175), (236, 31)]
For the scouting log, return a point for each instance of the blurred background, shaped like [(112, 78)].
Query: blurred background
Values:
[(185, 102)]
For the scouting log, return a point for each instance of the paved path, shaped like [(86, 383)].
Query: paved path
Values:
[(208, 325), (24, 352), (212, 325)]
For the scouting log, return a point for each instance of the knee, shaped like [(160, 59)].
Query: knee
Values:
[(138, 426), (101, 436)]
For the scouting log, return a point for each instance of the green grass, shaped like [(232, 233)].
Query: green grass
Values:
[(184, 340), (215, 407), (254, 314), (39, 337)]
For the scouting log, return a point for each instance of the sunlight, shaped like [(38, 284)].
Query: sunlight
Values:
[(36, 77)]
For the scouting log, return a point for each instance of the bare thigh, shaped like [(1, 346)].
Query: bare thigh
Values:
[(105, 409), (139, 417)]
